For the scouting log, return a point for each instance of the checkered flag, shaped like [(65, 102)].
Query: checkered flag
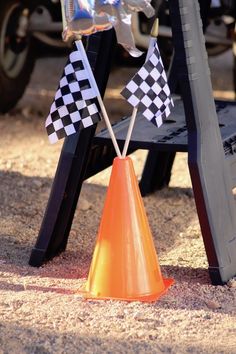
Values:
[(148, 90), (75, 103)]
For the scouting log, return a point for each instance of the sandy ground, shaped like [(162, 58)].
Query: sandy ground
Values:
[(41, 309)]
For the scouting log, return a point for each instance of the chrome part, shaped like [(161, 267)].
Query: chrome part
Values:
[(22, 29)]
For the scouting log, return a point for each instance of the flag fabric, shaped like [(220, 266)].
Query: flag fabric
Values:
[(148, 90), (75, 105)]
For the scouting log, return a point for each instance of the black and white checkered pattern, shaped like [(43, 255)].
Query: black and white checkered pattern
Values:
[(148, 90), (75, 103)]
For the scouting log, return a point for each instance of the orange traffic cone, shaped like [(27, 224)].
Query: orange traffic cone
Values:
[(125, 264)]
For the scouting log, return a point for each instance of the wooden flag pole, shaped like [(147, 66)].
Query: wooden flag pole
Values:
[(109, 127), (100, 101), (154, 34)]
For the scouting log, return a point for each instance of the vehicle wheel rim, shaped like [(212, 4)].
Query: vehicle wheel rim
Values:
[(12, 62)]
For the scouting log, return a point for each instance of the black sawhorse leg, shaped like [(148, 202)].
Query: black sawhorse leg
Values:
[(157, 171), (71, 169), (210, 172)]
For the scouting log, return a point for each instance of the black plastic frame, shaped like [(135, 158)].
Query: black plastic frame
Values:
[(212, 172)]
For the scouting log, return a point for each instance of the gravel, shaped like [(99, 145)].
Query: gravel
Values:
[(41, 309)]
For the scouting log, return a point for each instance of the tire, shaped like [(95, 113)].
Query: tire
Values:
[(16, 56)]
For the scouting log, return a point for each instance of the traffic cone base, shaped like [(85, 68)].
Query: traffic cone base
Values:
[(125, 264), (142, 298)]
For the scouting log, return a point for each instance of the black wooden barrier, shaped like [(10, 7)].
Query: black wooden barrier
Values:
[(205, 129)]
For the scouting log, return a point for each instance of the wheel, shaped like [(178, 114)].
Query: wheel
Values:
[(16, 54)]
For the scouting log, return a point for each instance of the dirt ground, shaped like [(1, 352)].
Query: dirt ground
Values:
[(41, 309)]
